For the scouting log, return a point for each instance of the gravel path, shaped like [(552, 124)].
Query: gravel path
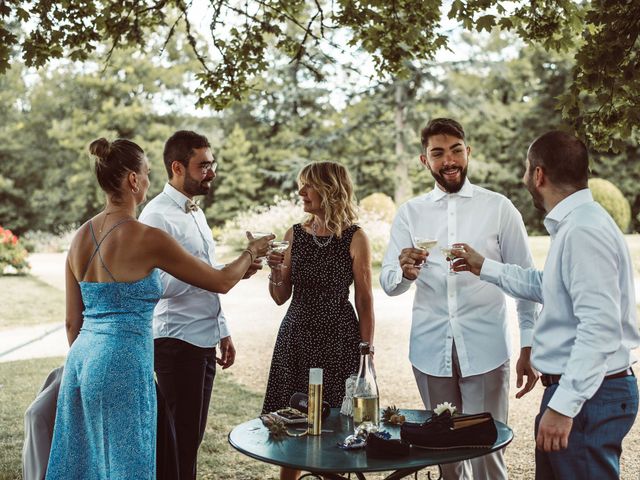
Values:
[(254, 320)]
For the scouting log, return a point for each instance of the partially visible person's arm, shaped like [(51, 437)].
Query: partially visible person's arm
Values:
[(171, 286), (361, 255), (74, 305), (164, 252), (525, 283), (280, 277)]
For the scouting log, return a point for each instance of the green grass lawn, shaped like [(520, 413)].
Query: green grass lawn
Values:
[(230, 405), (28, 301)]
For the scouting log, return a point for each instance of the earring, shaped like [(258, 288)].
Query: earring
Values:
[(135, 190)]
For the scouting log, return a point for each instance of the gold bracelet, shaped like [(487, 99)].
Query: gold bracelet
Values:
[(250, 254), (274, 283)]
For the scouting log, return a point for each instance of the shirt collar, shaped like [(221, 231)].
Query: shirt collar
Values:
[(175, 195), (565, 207), (465, 191)]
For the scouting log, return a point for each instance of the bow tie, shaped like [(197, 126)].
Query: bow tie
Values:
[(190, 206)]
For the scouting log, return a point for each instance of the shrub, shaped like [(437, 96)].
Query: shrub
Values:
[(12, 254), (276, 218), (380, 204), (378, 230), (612, 200), (45, 242), (279, 217)]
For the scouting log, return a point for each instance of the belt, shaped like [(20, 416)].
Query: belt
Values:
[(548, 380)]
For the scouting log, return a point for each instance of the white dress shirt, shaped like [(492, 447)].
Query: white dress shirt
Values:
[(185, 312), (587, 326), (459, 307)]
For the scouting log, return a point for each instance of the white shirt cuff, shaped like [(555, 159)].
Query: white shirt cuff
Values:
[(526, 337), (404, 281), (565, 402)]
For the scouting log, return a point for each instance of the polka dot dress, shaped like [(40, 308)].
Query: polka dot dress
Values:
[(320, 329)]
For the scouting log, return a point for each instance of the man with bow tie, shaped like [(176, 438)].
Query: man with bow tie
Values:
[(188, 322)]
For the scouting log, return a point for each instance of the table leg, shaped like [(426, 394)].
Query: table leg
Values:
[(397, 475), (405, 472)]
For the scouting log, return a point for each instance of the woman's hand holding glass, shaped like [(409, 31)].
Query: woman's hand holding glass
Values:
[(275, 259)]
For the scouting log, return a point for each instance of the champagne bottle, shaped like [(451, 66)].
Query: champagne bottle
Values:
[(366, 409)]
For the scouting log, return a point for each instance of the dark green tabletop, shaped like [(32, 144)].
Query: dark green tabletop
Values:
[(321, 454)]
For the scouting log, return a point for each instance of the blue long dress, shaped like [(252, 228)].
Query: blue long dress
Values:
[(105, 424)]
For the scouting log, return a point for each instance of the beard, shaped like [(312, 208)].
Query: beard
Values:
[(536, 198), (450, 186), (193, 187)]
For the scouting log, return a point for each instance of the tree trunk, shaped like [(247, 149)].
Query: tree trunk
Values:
[(403, 187)]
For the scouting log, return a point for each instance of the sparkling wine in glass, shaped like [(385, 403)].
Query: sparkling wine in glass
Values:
[(424, 243), (279, 247), (257, 235), (449, 254)]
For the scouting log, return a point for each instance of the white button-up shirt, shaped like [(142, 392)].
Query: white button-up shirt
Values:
[(587, 326), (459, 307), (185, 312)]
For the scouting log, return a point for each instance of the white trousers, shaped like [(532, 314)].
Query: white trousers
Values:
[(38, 428), (487, 392)]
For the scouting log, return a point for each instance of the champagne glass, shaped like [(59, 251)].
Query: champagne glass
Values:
[(257, 235), (279, 247), (426, 244), (449, 254)]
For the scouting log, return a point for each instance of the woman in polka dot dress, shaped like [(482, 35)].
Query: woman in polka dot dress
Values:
[(327, 252)]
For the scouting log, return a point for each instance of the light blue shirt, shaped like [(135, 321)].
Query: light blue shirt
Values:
[(185, 312), (587, 326), (460, 308)]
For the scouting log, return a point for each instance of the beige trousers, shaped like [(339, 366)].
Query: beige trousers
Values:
[(487, 392)]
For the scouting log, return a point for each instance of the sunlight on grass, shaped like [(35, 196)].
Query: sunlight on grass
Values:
[(32, 302), (230, 406)]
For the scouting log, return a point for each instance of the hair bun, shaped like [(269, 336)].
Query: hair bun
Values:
[(100, 148)]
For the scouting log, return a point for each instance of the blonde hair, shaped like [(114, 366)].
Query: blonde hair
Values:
[(333, 183)]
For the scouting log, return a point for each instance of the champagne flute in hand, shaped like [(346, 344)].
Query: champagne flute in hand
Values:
[(279, 247), (426, 244), (450, 255), (257, 235)]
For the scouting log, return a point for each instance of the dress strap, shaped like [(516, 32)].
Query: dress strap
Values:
[(98, 244)]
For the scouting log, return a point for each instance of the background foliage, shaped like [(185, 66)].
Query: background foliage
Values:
[(358, 92)]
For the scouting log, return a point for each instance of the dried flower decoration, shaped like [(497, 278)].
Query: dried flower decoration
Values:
[(443, 407)]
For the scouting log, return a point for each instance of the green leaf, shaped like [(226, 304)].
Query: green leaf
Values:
[(486, 22)]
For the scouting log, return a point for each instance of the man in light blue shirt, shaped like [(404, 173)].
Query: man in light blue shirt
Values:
[(585, 333)]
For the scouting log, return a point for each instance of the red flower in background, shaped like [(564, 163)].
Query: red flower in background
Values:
[(12, 253)]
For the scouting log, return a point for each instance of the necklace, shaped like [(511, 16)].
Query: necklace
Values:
[(106, 214), (314, 230)]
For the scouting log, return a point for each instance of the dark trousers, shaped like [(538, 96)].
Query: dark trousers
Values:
[(185, 377)]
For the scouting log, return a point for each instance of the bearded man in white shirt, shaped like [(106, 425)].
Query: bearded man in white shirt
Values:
[(459, 345), (587, 329), (188, 322)]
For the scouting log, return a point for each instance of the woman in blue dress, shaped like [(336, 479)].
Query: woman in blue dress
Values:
[(105, 424)]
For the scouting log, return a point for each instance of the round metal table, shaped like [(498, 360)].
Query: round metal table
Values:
[(321, 455)]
